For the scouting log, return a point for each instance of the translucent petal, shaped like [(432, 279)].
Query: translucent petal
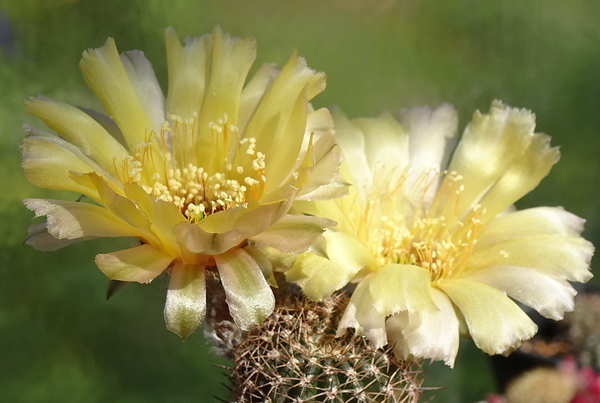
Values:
[(196, 240), (386, 142), (185, 307), (144, 82), (495, 322), (427, 335), (119, 206), (324, 181), (336, 210), (275, 124), (280, 164), (362, 315), (248, 294), (550, 296), (432, 135), (523, 175), (187, 73), (294, 233), (246, 221), (352, 143), (266, 267), (320, 277), (163, 216), (565, 257), (253, 93), (530, 222), (490, 144), (40, 239), (72, 220), (227, 68), (105, 74), (398, 287), (47, 161), (80, 129), (141, 264)]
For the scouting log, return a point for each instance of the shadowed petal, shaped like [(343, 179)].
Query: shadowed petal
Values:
[(564, 257), (362, 316), (72, 220), (495, 323), (185, 307), (40, 239), (105, 74), (294, 233), (488, 147), (80, 129), (549, 296), (196, 240), (248, 295), (142, 264), (319, 277), (426, 335), (398, 287)]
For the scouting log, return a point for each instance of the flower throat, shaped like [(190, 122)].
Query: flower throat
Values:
[(198, 188)]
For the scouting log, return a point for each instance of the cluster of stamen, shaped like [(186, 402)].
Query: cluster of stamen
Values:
[(198, 191), (402, 233)]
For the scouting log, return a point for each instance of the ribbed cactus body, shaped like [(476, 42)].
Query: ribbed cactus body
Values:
[(295, 357)]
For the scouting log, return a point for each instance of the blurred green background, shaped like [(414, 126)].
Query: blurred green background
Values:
[(62, 342)]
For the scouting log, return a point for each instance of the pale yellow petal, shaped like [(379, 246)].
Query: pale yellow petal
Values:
[(281, 161), (248, 294), (565, 257), (47, 161), (185, 307), (352, 143), (490, 144), (39, 237), (275, 124), (187, 73), (319, 277), (264, 263), (550, 296), (146, 86), (362, 316), (79, 129), (426, 335), (495, 322), (196, 240), (521, 177), (105, 74), (432, 135), (294, 233), (319, 123), (399, 287), (141, 264), (254, 92), (72, 220), (120, 206), (324, 181), (386, 142), (336, 210), (530, 222), (230, 61), (163, 216), (253, 217)]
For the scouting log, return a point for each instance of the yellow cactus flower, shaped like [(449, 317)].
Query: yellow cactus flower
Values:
[(440, 252), (199, 177)]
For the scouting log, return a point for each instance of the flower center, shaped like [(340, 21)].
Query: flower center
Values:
[(199, 188), (404, 228)]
